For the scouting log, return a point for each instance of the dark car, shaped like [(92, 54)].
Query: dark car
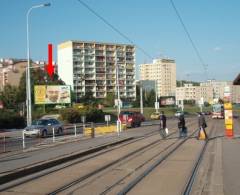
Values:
[(131, 118), (43, 128)]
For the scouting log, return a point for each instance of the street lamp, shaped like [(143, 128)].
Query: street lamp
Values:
[(156, 97), (28, 82), (118, 95)]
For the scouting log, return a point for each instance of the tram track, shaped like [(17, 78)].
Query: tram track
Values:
[(82, 158), (133, 183), (91, 157), (96, 176)]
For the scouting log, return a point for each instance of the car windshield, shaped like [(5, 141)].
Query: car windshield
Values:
[(126, 113), (39, 122)]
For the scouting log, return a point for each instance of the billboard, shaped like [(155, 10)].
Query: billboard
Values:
[(167, 101), (52, 94)]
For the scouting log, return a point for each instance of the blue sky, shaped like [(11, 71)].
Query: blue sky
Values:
[(151, 24)]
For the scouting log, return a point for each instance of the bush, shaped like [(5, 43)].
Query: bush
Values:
[(11, 120), (95, 115), (71, 115)]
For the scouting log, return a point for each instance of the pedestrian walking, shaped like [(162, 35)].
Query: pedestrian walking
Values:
[(181, 126), (202, 125), (163, 124)]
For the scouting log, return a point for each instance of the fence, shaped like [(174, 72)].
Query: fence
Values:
[(19, 140)]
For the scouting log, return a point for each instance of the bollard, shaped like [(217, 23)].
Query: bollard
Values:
[(53, 135), (75, 130), (92, 130), (4, 142), (118, 128), (83, 129), (23, 138)]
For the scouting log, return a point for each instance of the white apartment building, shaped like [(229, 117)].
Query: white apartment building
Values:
[(190, 92), (163, 72), (93, 66), (218, 87)]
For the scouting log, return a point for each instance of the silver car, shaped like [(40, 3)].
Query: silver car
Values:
[(43, 128)]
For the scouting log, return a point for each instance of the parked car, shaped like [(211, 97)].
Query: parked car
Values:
[(44, 127), (155, 116), (178, 113), (131, 119), (207, 113)]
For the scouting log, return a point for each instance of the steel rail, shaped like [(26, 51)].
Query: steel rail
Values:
[(135, 181), (140, 150), (190, 182)]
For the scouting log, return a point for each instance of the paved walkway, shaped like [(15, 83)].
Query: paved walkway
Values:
[(38, 154)]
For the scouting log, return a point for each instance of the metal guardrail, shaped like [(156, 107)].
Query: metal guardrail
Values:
[(18, 142)]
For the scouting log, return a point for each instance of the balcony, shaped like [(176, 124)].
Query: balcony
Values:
[(100, 59), (110, 59), (110, 47), (99, 47), (89, 46), (100, 78), (110, 89), (78, 45), (129, 49), (130, 73), (99, 83), (99, 53), (77, 59)]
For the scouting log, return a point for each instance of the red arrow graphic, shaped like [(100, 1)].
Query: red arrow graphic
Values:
[(50, 68)]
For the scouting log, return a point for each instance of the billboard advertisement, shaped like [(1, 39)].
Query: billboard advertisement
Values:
[(52, 94), (167, 101)]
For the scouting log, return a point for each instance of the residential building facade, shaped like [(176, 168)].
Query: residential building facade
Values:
[(11, 70), (96, 67), (196, 93), (218, 87), (163, 72)]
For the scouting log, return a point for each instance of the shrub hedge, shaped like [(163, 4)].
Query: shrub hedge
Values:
[(11, 120)]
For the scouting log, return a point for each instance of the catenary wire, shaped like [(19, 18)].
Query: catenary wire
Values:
[(114, 28), (189, 37)]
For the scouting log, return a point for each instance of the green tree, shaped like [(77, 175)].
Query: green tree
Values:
[(109, 100), (89, 99), (150, 98), (136, 103), (38, 77), (10, 98)]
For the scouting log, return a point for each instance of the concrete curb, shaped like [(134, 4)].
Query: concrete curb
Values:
[(51, 163)]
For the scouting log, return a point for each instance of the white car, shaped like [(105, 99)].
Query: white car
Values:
[(178, 113)]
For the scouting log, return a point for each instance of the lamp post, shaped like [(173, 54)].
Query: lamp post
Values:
[(28, 82), (156, 97), (118, 95)]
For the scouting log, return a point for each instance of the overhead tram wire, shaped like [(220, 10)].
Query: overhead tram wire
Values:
[(189, 37), (114, 28)]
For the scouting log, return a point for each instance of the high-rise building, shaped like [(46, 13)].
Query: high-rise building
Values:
[(93, 66), (163, 72)]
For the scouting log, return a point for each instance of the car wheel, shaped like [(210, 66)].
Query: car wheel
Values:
[(60, 130), (133, 125), (139, 124), (44, 133)]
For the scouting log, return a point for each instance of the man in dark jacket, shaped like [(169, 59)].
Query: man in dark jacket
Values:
[(181, 126), (202, 124), (163, 124)]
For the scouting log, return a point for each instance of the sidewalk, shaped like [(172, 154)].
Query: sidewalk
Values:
[(11, 162)]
